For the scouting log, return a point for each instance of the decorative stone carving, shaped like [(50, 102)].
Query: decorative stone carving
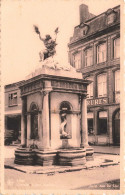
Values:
[(31, 87), (63, 130)]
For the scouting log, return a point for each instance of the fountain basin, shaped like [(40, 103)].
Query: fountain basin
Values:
[(24, 156), (72, 157)]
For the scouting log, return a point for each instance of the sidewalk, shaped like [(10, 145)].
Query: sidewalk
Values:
[(100, 160), (115, 150)]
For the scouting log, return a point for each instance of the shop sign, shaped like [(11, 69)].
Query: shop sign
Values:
[(97, 101)]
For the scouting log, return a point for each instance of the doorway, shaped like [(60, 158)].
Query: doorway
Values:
[(116, 122)]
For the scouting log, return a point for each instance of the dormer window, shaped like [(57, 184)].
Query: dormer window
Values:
[(111, 16), (85, 28)]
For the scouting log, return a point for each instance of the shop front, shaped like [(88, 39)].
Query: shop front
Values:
[(103, 122)]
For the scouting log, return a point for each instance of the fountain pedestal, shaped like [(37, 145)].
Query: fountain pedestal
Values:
[(46, 158)]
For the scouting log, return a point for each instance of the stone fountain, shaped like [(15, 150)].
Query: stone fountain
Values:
[(54, 116)]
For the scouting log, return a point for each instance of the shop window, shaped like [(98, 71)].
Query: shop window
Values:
[(90, 88), (117, 86), (102, 85), (102, 126), (77, 60), (101, 53), (88, 57), (117, 48), (12, 99), (90, 123)]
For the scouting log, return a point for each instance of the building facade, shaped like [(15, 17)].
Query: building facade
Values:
[(13, 110), (94, 50)]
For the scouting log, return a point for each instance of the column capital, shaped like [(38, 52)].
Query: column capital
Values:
[(45, 92), (83, 96)]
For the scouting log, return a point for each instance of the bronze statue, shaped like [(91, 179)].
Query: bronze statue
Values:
[(49, 43)]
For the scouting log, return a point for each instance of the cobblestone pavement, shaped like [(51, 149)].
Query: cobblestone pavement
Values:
[(64, 181)]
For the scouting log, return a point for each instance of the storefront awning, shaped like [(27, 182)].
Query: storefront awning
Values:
[(103, 114), (90, 115)]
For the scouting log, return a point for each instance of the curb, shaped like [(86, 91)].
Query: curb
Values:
[(61, 169), (107, 153)]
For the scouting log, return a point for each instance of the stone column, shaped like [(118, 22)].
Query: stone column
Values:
[(46, 120), (110, 130), (96, 122), (28, 128), (23, 123), (95, 125), (6, 119), (40, 126), (84, 126)]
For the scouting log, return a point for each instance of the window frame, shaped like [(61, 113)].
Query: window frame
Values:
[(114, 48), (91, 87), (79, 61), (98, 53), (102, 87), (12, 99), (116, 71), (88, 57)]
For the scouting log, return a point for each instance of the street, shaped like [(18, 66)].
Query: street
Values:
[(95, 178)]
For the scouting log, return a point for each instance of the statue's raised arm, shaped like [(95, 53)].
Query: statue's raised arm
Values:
[(38, 32)]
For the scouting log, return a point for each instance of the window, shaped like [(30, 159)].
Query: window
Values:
[(12, 99), (90, 123), (88, 57), (101, 53), (117, 48), (117, 86), (77, 60), (90, 88), (102, 85), (110, 18), (117, 81), (102, 125)]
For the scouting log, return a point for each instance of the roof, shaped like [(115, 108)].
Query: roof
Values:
[(16, 84), (96, 24)]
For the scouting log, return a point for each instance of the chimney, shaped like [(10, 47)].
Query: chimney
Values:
[(84, 13)]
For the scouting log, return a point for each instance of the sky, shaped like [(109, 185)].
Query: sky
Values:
[(20, 43)]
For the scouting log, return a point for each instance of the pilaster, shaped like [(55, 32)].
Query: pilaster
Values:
[(84, 131), (23, 123)]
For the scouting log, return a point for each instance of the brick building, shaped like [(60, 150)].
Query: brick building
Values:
[(13, 110), (94, 50)]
